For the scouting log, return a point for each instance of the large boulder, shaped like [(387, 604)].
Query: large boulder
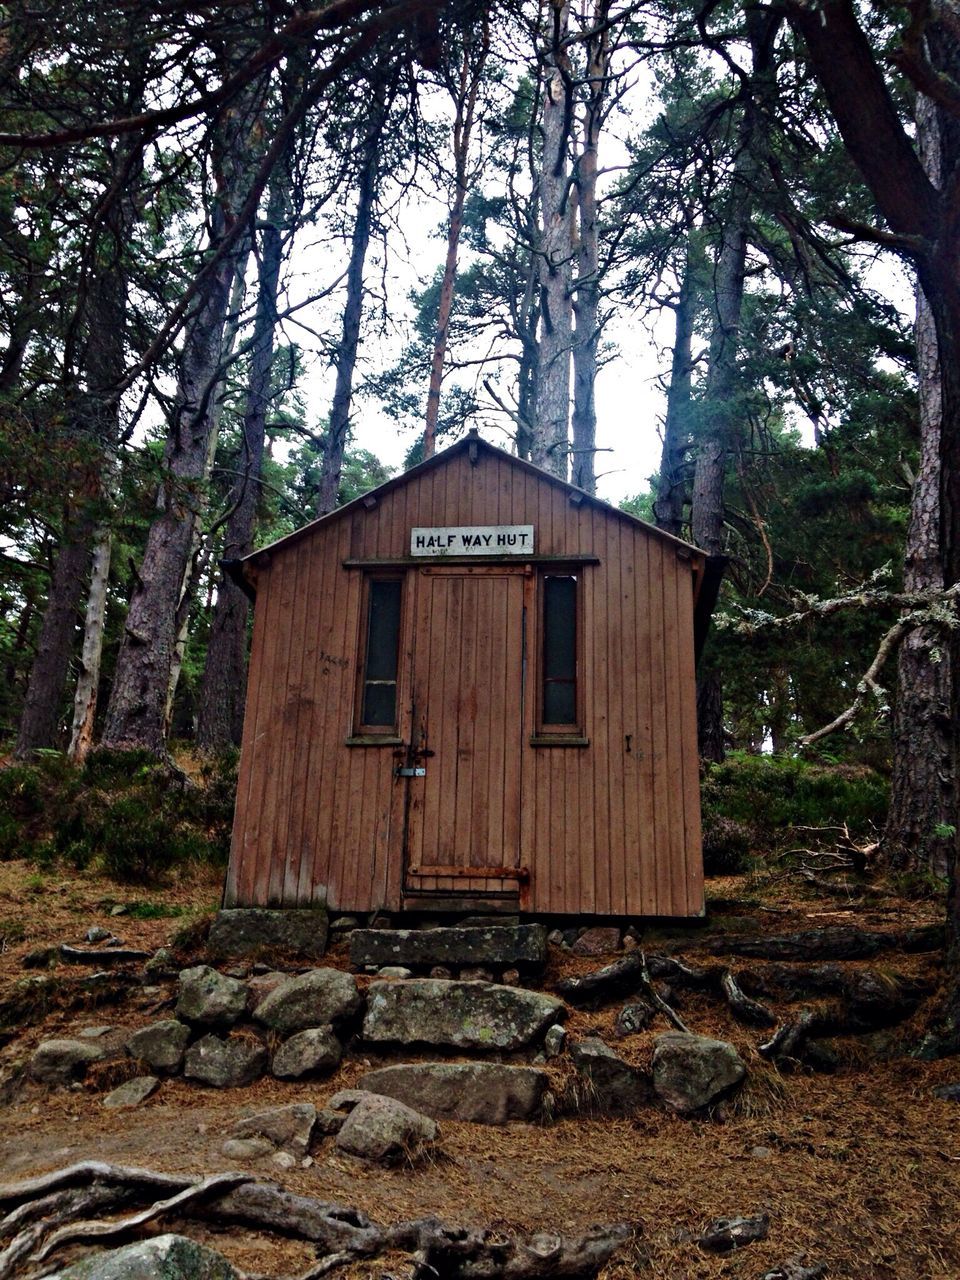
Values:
[(244, 931), (464, 1015), (161, 1045), (61, 1061), (209, 998), (607, 1084), (508, 946), (313, 999), (289, 1127), (481, 1092), (312, 1052), (379, 1128), (168, 1257), (690, 1072), (225, 1064)]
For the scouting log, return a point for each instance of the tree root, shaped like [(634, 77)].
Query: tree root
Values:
[(48, 1212)]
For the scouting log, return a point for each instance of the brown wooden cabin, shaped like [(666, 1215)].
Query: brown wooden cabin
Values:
[(473, 687)]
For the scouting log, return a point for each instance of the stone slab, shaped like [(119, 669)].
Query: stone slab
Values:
[(479, 1092), (518, 945), (243, 931), (462, 1015)]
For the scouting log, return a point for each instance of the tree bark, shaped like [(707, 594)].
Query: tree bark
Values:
[(222, 688), (338, 430), (551, 410), (586, 296), (915, 837), (671, 486), (136, 714), (88, 681)]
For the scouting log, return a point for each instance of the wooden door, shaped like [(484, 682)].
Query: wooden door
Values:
[(463, 773)]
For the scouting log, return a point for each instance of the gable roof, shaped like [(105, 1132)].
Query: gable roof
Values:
[(470, 442)]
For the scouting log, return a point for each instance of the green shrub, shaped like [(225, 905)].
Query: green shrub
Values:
[(775, 795), (727, 845)]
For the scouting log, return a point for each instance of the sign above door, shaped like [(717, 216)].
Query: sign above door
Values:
[(473, 540)]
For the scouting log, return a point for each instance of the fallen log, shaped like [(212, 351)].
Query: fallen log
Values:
[(836, 942)]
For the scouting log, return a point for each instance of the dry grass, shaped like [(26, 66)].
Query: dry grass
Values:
[(857, 1169)]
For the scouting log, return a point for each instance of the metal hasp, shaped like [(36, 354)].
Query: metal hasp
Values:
[(406, 771)]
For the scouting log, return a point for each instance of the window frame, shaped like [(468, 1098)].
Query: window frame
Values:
[(569, 733), (377, 734)]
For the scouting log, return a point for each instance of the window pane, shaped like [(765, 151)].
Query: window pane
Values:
[(379, 704), (383, 635), (383, 645), (559, 650), (559, 703)]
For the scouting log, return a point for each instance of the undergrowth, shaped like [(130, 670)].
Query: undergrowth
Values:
[(122, 812), (760, 804)]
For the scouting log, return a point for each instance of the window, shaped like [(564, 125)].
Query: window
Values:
[(559, 702), (378, 686)]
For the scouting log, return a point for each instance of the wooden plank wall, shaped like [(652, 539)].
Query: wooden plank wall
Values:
[(604, 829)]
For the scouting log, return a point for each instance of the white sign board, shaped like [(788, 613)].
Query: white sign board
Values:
[(473, 540)]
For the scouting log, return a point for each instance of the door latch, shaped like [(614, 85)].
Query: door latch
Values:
[(410, 771)]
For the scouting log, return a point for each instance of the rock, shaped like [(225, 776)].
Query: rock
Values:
[(394, 971), (283, 1160), (241, 931), (599, 941), (609, 1085), (795, 1269), (210, 999), (690, 1071), (313, 999), (465, 1015), (118, 909), (343, 924), (41, 958), (474, 974), (161, 1045), (262, 985), (633, 1018), (629, 942), (225, 1064), (132, 1093), (307, 1053), (97, 933), (949, 1092), (481, 1092), (95, 1033), (760, 1153), (554, 1041), (290, 1127), (723, 1235), (441, 971), (162, 964), (61, 1061), (555, 938), (498, 945), (247, 1148), (511, 977), (167, 1257), (380, 1128)]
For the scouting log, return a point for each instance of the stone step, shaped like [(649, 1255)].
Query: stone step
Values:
[(520, 946)]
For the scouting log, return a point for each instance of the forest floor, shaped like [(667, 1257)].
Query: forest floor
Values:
[(858, 1169)]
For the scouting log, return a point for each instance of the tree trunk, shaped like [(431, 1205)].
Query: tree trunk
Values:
[(921, 810), (721, 401), (88, 681), (671, 485), (96, 412), (551, 412), (222, 688), (586, 297), (465, 99), (338, 430), (136, 714)]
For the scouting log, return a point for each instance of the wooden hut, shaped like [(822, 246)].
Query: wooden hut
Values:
[(472, 688)]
